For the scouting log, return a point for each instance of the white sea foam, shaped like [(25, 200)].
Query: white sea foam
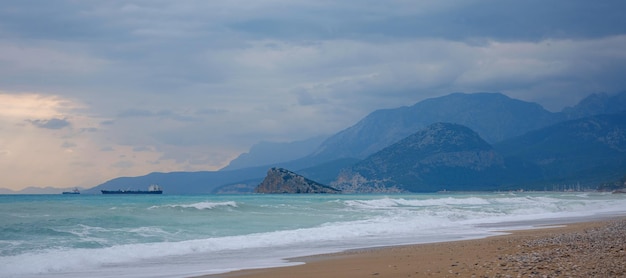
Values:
[(63, 261), (388, 202), (150, 232), (200, 205)]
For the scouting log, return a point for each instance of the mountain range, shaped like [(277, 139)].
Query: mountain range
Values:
[(493, 116), (444, 156), (513, 144)]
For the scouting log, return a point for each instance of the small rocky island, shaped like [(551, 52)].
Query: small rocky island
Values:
[(279, 180)]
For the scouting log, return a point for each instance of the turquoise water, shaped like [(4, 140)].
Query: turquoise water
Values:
[(183, 236)]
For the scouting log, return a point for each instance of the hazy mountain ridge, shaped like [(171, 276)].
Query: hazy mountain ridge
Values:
[(441, 156), (323, 169), (595, 104), (204, 182), (265, 153), (492, 115), (588, 150)]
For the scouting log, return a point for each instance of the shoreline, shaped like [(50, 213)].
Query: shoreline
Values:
[(586, 248)]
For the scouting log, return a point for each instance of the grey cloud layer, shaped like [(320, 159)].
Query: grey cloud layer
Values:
[(51, 123)]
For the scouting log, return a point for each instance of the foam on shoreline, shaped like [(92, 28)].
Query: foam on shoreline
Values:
[(576, 248)]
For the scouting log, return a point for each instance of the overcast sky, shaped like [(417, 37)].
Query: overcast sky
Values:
[(92, 90)]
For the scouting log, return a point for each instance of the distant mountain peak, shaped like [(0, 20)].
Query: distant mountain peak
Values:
[(598, 103), (442, 154), (429, 145), (445, 137)]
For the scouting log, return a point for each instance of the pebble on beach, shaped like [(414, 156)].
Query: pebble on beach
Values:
[(594, 252)]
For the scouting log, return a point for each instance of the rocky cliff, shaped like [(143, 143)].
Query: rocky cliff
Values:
[(279, 180)]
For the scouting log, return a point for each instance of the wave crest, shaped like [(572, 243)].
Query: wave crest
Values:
[(200, 205)]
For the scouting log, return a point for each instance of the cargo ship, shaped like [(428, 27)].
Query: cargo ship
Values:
[(73, 192), (153, 189)]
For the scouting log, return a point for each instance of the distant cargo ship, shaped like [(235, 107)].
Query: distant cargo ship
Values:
[(74, 191), (153, 189)]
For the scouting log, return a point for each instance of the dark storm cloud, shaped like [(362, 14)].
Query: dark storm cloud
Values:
[(461, 20), (47, 20), (199, 23)]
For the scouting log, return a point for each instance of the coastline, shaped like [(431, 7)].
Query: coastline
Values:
[(581, 249)]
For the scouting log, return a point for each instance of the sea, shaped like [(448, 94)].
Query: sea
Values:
[(191, 235)]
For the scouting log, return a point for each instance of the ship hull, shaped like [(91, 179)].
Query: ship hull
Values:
[(131, 192)]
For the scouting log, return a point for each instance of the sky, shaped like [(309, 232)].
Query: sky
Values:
[(93, 90)]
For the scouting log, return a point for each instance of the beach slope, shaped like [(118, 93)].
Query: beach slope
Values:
[(589, 249)]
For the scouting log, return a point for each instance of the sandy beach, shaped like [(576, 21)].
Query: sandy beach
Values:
[(589, 249)]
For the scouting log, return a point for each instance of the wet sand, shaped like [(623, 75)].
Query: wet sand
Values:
[(589, 249)]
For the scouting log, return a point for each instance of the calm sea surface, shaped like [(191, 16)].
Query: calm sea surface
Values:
[(183, 236)]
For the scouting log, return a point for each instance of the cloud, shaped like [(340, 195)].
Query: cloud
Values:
[(135, 113), (47, 59), (123, 164), (306, 98), (61, 151), (142, 149), (449, 20), (89, 129), (33, 105), (68, 145), (50, 123)]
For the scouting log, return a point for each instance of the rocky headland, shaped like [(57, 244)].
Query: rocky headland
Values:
[(279, 180)]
